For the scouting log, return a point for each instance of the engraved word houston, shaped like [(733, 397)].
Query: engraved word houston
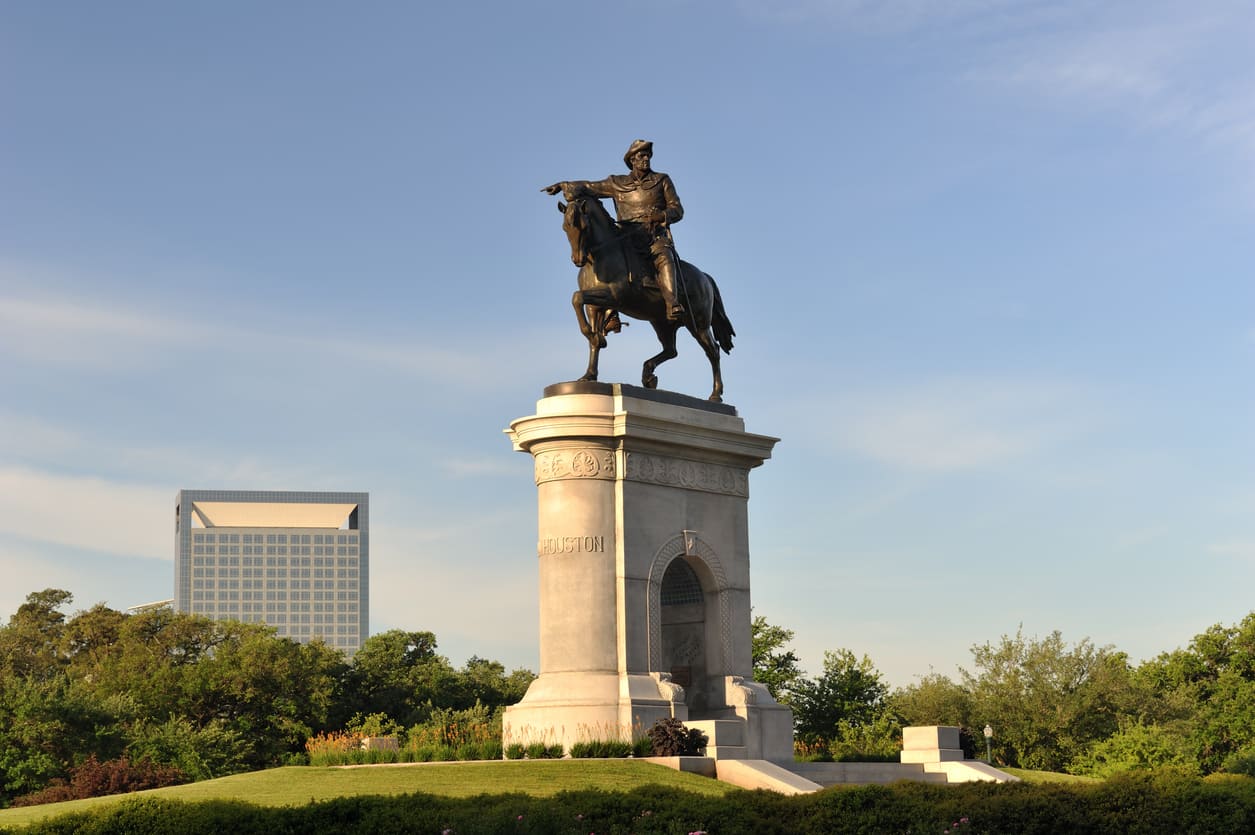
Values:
[(571, 545)]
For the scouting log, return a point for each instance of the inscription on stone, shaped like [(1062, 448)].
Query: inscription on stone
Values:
[(571, 545)]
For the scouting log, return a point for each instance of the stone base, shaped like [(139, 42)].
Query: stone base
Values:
[(931, 744), (566, 708), (631, 484)]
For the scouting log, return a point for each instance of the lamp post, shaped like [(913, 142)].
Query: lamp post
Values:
[(989, 735)]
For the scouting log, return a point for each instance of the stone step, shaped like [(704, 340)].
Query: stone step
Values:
[(720, 732), (832, 774), (726, 752)]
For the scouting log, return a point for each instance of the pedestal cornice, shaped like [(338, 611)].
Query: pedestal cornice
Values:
[(615, 416)]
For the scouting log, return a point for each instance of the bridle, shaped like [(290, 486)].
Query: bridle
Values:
[(579, 222)]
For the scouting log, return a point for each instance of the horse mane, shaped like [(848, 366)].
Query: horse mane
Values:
[(593, 204)]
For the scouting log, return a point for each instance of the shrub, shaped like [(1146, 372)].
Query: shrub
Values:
[(474, 733), (541, 751), (1136, 804), (1241, 762), (332, 748), (1135, 747), (487, 750), (93, 778), (515, 751), (879, 740), (602, 748), (670, 738), (373, 724), (202, 753), (811, 752)]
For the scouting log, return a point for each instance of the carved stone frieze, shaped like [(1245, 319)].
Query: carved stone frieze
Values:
[(692, 475), (560, 464)]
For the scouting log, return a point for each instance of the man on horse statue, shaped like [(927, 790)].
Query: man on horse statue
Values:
[(646, 205)]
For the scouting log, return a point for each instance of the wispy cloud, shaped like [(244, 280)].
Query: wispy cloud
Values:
[(1236, 549), (470, 467), (90, 513), (884, 15), (957, 425), (1158, 66), (81, 333), (1162, 68)]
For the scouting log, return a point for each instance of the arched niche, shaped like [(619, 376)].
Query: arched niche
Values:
[(689, 634)]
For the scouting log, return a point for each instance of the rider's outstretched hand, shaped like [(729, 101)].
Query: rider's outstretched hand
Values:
[(553, 189)]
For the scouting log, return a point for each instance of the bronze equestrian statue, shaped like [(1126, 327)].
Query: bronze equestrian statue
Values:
[(618, 261)]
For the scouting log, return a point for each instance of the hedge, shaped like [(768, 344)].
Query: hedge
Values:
[(1130, 805)]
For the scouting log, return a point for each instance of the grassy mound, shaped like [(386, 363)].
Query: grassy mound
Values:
[(297, 786)]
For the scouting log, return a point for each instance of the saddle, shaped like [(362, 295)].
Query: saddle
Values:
[(640, 261)]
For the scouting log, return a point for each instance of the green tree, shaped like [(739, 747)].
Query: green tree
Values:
[(1046, 701), (201, 753), (1208, 690), (223, 675), (933, 700), (1136, 747), (850, 690), (775, 665), (46, 726), (400, 674), (485, 682), (30, 643), (396, 672)]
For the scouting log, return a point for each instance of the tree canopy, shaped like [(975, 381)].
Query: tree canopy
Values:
[(206, 697)]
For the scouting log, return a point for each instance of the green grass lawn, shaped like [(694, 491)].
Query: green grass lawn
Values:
[(296, 786)]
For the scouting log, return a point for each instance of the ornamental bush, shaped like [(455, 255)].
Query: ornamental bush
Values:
[(670, 738), (93, 778)]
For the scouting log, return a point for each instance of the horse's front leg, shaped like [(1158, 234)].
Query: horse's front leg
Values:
[(577, 302), (592, 331), (666, 331), (594, 352)]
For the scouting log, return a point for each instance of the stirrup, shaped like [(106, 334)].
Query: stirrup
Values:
[(676, 311)]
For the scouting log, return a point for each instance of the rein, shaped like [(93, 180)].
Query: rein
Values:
[(615, 237)]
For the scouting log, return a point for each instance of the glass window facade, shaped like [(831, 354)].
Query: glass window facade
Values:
[(308, 581)]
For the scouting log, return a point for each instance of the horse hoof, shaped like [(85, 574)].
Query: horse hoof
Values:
[(650, 381), (714, 398), (587, 378)]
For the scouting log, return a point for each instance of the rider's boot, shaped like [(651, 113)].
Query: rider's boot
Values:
[(666, 285)]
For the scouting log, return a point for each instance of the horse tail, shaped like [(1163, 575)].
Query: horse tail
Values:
[(719, 321)]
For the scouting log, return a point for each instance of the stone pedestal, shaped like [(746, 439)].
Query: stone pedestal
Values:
[(931, 744), (644, 570)]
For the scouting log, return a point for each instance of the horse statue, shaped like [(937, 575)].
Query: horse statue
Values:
[(611, 279)]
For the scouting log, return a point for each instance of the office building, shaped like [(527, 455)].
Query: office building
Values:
[(298, 561)]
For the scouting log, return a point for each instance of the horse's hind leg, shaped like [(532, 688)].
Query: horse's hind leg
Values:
[(706, 339), (666, 331)]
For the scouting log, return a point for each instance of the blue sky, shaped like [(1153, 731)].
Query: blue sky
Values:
[(990, 264)]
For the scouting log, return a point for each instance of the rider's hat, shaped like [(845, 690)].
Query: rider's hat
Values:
[(637, 145)]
